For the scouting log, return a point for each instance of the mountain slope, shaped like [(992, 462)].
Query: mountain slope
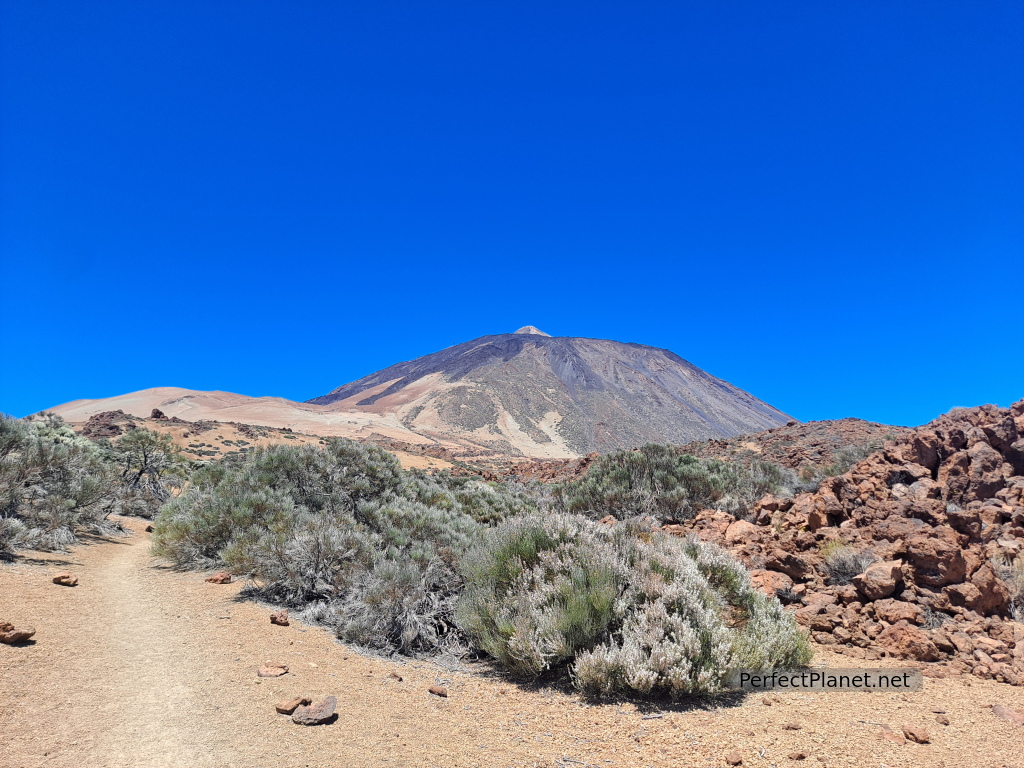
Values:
[(516, 394), (530, 391)]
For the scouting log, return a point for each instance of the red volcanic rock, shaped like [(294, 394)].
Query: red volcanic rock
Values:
[(316, 714), (917, 734), (1010, 715), (770, 582), (271, 669), (739, 532), (937, 557), (985, 593), (879, 580), (908, 642), (9, 634), (288, 707), (106, 424), (895, 611)]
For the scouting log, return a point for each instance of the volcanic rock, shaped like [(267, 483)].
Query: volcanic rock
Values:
[(770, 582), (916, 734), (105, 424), (937, 557), (895, 611), (739, 532), (316, 714), (271, 669), (1010, 715), (985, 593), (65, 579), (880, 580), (10, 635), (908, 642), (288, 707)]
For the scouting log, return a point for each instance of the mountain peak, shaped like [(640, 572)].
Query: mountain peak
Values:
[(554, 396), (531, 329)]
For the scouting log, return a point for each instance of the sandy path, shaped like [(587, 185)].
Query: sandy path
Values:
[(143, 667)]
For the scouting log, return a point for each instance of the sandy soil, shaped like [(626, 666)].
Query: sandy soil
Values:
[(143, 667)]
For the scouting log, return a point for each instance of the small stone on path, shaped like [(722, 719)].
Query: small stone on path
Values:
[(219, 578), (316, 714), (439, 690), (272, 670), (1012, 715), (288, 707), (10, 635), (890, 735), (280, 618), (916, 733)]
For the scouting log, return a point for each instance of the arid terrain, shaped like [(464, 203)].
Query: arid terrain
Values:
[(511, 394), (140, 665), (212, 440), (887, 546)]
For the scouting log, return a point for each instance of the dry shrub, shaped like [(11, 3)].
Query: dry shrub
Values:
[(341, 530), (843, 562), (621, 609), (655, 480)]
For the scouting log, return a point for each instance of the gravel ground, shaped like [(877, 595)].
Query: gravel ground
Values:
[(143, 667)]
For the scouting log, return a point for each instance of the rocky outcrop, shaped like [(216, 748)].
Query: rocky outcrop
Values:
[(810, 447), (937, 517), (106, 424)]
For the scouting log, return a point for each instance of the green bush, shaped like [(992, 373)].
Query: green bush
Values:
[(622, 610), (539, 591), (342, 531), (150, 469), (655, 480), (53, 484)]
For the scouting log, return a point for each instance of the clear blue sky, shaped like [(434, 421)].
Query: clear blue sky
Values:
[(821, 202)]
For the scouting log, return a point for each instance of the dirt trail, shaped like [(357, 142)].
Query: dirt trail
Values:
[(143, 667)]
